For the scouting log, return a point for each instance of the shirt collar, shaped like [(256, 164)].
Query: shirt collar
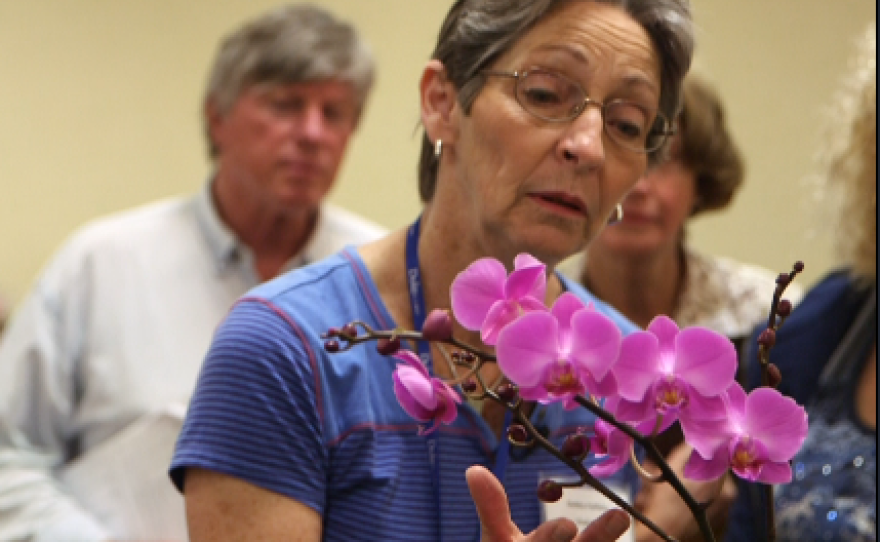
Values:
[(225, 247)]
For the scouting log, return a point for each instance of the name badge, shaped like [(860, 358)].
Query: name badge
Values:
[(584, 504)]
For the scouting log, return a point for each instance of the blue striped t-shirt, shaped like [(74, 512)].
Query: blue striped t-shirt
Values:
[(271, 407)]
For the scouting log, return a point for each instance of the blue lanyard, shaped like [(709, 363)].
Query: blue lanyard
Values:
[(417, 303)]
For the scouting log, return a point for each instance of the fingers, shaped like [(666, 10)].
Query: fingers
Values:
[(492, 507), (607, 528), (557, 530)]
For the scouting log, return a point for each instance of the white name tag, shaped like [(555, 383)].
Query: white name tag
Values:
[(584, 504)]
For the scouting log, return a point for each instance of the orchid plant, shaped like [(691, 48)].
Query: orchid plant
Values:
[(637, 386)]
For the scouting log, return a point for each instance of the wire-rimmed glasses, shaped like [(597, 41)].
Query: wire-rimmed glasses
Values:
[(555, 98)]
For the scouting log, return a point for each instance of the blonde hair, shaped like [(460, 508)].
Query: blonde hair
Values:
[(848, 162)]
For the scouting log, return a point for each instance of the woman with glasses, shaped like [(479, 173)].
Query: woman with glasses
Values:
[(538, 117)]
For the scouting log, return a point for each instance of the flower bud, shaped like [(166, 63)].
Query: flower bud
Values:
[(332, 332), (506, 392), (782, 279), (331, 346), (576, 446), (438, 326), (549, 491), (386, 346), (349, 330), (774, 376), (798, 266), (517, 434), (767, 338), (469, 386), (784, 308)]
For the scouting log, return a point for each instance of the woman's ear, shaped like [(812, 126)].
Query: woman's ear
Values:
[(438, 103)]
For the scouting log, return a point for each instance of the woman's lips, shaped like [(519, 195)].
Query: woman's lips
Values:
[(561, 202)]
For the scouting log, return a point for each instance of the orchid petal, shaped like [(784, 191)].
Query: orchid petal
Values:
[(665, 329), (526, 346), (524, 260), (596, 342), (533, 393), (698, 468), (635, 411), (706, 437), (774, 472), (609, 467), (500, 315), (417, 386), (413, 360), (705, 359), (636, 367), (601, 388), (777, 421), (475, 290), (409, 405), (704, 408), (525, 282)]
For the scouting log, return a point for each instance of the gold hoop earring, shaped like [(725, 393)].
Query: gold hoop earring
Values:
[(618, 215), (438, 148)]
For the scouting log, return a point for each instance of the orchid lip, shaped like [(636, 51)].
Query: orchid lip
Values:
[(561, 198)]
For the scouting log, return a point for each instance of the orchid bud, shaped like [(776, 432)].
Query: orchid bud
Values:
[(767, 338), (387, 347), (782, 279), (549, 491), (576, 446), (332, 332), (469, 386), (506, 392), (774, 376), (517, 434), (784, 308), (798, 266), (349, 330), (438, 326), (331, 346)]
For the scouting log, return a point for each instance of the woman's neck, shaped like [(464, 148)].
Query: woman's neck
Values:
[(640, 288)]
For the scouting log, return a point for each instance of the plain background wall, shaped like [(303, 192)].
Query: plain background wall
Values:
[(100, 111)]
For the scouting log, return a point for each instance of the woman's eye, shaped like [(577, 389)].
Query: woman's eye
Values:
[(625, 129), (542, 96)]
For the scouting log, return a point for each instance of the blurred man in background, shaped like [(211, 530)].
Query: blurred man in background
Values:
[(98, 362)]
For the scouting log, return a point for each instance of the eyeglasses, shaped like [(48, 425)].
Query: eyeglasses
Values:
[(555, 98)]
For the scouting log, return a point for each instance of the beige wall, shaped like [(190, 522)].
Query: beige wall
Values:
[(99, 101)]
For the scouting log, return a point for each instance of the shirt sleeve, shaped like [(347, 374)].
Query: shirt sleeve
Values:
[(37, 397), (256, 412)]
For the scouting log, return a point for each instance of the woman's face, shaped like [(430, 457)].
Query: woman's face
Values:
[(549, 187), (654, 213)]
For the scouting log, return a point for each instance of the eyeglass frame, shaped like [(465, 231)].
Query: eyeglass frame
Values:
[(587, 101)]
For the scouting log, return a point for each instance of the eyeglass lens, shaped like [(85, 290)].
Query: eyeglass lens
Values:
[(552, 97)]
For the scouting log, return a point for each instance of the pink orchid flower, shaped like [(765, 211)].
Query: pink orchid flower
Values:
[(424, 398), (484, 298), (611, 445), (677, 374), (762, 432), (557, 355)]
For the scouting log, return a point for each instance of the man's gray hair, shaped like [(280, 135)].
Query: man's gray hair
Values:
[(290, 44), (476, 32)]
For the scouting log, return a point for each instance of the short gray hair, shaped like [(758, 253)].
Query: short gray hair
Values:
[(289, 44), (476, 32)]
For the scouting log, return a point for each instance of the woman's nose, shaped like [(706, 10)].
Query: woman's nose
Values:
[(582, 144)]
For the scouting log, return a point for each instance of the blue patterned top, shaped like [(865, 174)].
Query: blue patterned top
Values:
[(821, 351)]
